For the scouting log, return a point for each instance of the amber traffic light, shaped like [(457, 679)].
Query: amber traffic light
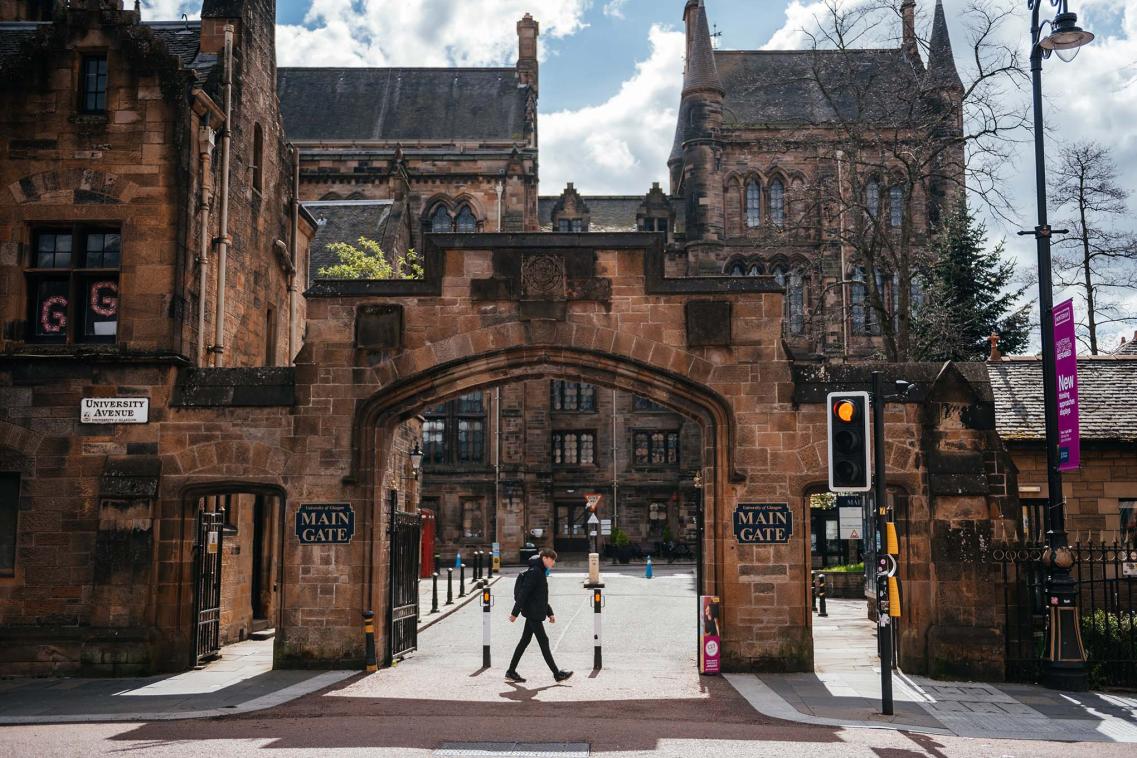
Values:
[(849, 453)]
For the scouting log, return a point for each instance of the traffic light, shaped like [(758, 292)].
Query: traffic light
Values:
[(849, 447)]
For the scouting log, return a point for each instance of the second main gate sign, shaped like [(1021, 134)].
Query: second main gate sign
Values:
[(325, 524)]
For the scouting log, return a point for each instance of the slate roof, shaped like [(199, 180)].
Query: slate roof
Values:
[(1129, 348), (14, 35), (607, 213), (700, 72), (402, 103), (1105, 404), (814, 86), (344, 221)]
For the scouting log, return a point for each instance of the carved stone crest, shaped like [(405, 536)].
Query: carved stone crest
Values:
[(543, 277)]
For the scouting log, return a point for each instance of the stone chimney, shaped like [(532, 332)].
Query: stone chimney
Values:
[(995, 356), (527, 32), (910, 45)]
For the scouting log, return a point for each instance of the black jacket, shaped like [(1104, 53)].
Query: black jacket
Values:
[(533, 602)]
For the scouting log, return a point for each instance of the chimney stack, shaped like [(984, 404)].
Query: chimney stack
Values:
[(527, 32), (908, 14), (995, 356)]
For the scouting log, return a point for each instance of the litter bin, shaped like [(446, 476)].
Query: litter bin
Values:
[(527, 552)]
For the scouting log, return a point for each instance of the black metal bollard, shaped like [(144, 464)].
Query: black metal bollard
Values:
[(462, 580), (813, 592), (434, 592), (821, 595), (477, 565), (450, 586), (369, 641), (437, 563), (491, 565)]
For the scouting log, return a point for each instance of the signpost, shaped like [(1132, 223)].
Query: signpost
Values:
[(325, 524), (1066, 370), (114, 410), (850, 517)]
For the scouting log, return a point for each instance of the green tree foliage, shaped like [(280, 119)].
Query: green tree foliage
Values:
[(968, 296), (368, 261)]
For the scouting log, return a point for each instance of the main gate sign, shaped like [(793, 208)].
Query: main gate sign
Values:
[(325, 524), (763, 523)]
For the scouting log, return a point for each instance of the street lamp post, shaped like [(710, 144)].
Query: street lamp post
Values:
[(1065, 659)]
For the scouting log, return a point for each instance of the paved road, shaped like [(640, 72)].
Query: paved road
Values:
[(648, 700)]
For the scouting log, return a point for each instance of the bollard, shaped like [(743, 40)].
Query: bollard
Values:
[(597, 604), (648, 570), (450, 586), (369, 641), (462, 581), (821, 595), (813, 592), (487, 603), (491, 565), (434, 592), (478, 566), (437, 563)]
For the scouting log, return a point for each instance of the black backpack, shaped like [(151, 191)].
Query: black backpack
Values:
[(519, 586)]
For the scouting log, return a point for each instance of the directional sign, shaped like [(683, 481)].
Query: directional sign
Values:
[(851, 519)]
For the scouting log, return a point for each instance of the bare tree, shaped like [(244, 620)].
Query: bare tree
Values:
[(1097, 259), (908, 141)]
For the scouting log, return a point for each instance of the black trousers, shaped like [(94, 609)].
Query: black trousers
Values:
[(534, 628)]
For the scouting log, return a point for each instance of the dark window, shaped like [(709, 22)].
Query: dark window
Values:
[(258, 157), (654, 225), (455, 432), (896, 206), (473, 519), (270, 338), (659, 448), (753, 204), (440, 221), (9, 512), (570, 225), (467, 222), (795, 302), (573, 396), (574, 448), (872, 198), (73, 283), (857, 304), (1127, 510), (777, 202), (93, 90)]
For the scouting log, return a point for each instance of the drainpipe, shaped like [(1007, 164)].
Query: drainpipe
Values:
[(498, 515), (224, 241), (844, 271), (205, 205), (500, 190), (615, 470), (294, 252)]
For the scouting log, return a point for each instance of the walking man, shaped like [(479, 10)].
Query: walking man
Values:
[(531, 600)]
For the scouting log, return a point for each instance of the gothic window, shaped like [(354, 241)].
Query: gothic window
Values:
[(795, 302), (467, 222), (738, 268), (455, 431), (896, 206), (93, 88), (9, 512), (258, 158), (73, 284), (658, 448), (753, 204), (440, 221), (573, 396), (574, 448), (872, 198), (779, 273), (857, 297), (777, 203)]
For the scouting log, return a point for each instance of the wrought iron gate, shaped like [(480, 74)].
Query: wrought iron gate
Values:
[(1107, 604), (207, 599), (406, 552)]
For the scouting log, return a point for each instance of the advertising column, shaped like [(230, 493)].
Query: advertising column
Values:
[(710, 648)]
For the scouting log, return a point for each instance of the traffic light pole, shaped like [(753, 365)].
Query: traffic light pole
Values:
[(884, 626)]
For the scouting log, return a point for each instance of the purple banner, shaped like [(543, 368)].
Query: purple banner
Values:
[(710, 621), (1066, 370)]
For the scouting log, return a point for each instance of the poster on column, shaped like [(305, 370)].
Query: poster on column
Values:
[(710, 629), (1066, 385)]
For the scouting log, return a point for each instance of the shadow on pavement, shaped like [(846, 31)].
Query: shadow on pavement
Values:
[(608, 725)]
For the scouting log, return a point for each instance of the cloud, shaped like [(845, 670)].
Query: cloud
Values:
[(619, 146), (422, 33), (615, 8), (170, 10)]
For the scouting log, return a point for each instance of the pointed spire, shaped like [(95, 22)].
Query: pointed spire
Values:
[(701, 72), (941, 60)]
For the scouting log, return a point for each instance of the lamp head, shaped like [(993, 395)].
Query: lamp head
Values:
[(416, 459), (1066, 37)]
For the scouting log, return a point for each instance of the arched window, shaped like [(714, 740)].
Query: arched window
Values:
[(857, 296), (779, 274), (896, 206), (738, 268), (795, 302), (755, 269), (258, 158), (467, 222), (440, 221), (777, 203), (753, 204), (872, 198)]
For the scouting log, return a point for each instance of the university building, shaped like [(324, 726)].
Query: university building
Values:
[(167, 198)]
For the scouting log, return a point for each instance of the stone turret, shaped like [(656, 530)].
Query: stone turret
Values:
[(527, 68), (693, 161), (909, 43), (942, 73)]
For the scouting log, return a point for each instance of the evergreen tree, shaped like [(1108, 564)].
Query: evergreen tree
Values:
[(968, 296), (368, 261)]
